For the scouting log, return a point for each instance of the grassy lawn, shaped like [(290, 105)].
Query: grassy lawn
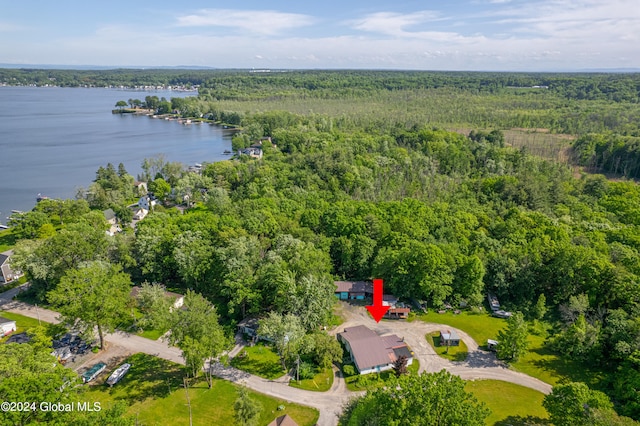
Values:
[(509, 403), (480, 326), (452, 353), (359, 382), (321, 382), (540, 362), (22, 323), (154, 389), (543, 363), (260, 360), (7, 240)]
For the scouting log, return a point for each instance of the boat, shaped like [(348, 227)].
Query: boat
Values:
[(118, 374), (93, 372), (41, 197)]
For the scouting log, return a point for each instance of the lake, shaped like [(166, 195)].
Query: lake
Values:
[(52, 140)]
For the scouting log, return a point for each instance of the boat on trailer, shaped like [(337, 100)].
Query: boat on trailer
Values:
[(118, 374)]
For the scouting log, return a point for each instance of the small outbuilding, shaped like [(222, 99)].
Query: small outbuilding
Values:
[(449, 338), (7, 326)]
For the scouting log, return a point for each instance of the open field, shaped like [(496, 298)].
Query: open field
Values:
[(510, 404), (321, 382), (154, 388), (259, 360), (541, 362)]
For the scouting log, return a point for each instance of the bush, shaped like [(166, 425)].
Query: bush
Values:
[(306, 371), (348, 370)]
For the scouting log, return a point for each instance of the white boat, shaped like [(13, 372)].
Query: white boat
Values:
[(118, 374)]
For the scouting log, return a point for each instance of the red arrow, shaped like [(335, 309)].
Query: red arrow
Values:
[(377, 311)]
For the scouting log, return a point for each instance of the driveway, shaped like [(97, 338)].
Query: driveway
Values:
[(478, 365)]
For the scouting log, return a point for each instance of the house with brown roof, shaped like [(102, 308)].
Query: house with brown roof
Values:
[(353, 290), (285, 420), (373, 353)]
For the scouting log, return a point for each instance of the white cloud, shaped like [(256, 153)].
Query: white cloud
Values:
[(266, 22), (398, 24)]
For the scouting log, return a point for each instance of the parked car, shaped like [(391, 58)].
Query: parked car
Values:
[(502, 314)]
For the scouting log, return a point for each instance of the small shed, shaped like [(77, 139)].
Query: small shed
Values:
[(449, 338), (398, 313), (7, 326)]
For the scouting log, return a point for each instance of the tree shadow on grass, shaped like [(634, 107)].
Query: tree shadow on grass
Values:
[(567, 370), (522, 421), (148, 377)]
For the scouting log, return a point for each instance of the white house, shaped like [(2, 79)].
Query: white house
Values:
[(7, 274), (7, 326), (372, 353)]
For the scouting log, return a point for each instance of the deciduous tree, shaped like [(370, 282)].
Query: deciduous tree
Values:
[(94, 295), (513, 340)]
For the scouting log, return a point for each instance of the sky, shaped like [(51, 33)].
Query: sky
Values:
[(491, 35)]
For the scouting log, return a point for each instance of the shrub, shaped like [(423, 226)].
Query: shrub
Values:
[(348, 370)]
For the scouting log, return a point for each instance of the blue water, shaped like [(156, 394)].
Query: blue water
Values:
[(52, 140)]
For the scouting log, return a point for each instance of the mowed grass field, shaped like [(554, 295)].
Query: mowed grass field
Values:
[(480, 326), (154, 389), (510, 404), (260, 360), (540, 361), (23, 323)]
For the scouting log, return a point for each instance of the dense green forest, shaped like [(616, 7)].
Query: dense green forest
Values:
[(405, 176)]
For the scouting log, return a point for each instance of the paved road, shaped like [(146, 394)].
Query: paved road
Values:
[(478, 365)]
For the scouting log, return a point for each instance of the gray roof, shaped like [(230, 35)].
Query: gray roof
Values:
[(5, 255), (369, 349), (6, 321), (353, 287), (449, 335), (109, 214)]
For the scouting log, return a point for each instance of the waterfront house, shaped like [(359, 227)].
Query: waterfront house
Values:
[(146, 203), (7, 274), (140, 188), (373, 353)]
